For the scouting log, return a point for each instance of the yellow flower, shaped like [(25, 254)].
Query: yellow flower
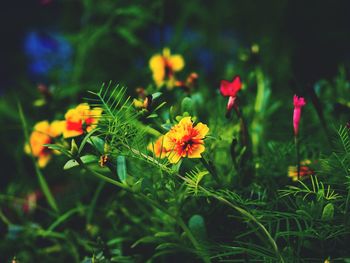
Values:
[(183, 140), (43, 133), (158, 148), (164, 66), (143, 103), (81, 119)]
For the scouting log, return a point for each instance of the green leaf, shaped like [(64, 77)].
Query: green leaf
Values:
[(187, 105), (97, 143), (147, 239), (136, 186), (166, 246), (59, 148), (89, 158), (164, 234), (156, 95), (153, 115), (197, 226), (328, 212), (128, 35), (73, 148), (121, 168), (70, 164), (85, 140), (86, 159)]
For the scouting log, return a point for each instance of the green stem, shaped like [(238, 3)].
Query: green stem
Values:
[(246, 214), (210, 168), (42, 181), (296, 142), (178, 219), (94, 201), (240, 210)]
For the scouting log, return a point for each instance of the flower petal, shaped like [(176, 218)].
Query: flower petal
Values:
[(202, 130), (57, 128), (177, 62), (174, 157), (43, 160), (196, 151), (42, 127), (230, 88)]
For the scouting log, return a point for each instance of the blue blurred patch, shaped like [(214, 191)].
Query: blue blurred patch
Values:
[(47, 52), (160, 37)]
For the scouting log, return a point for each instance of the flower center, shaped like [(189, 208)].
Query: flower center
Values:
[(187, 145), (168, 69)]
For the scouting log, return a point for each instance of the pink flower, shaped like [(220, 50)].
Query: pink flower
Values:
[(230, 89), (299, 102)]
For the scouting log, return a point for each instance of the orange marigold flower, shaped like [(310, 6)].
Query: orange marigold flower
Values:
[(43, 133), (183, 140), (164, 66), (81, 119)]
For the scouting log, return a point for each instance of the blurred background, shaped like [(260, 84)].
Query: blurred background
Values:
[(53, 51)]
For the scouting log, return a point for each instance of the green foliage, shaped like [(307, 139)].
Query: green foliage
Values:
[(108, 197), (318, 190)]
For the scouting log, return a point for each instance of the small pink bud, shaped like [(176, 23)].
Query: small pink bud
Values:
[(299, 102), (231, 102)]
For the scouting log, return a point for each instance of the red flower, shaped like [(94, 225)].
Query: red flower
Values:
[(230, 89)]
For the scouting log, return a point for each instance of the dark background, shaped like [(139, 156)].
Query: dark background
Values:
[(312, 36)]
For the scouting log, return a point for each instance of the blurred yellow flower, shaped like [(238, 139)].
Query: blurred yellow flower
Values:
[(304, 172), (183, 140), (81, 119), (164, 66), (43, 133)]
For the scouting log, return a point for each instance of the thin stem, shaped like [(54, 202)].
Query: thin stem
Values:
[(242, 211), (297, 151), (211, 169), (246, 214), (178, 219), (94, 201), (42, 181), (244, 129)]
